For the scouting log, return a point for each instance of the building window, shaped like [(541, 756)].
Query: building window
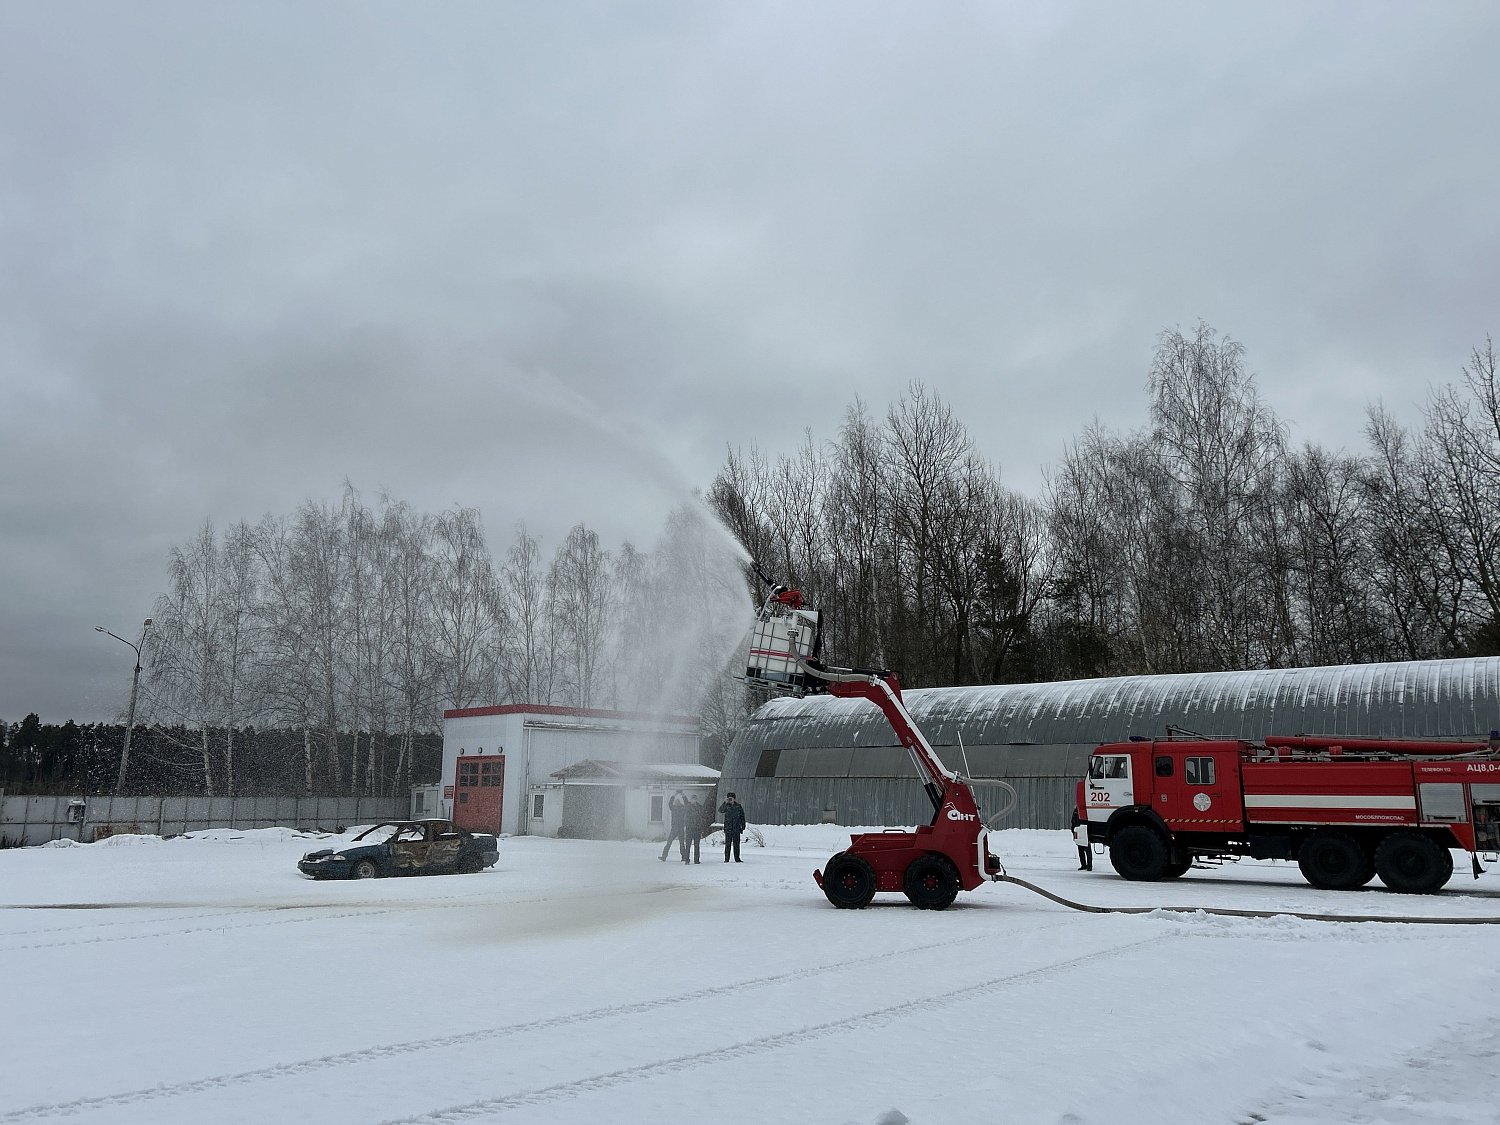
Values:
[(766, 767), (1199, 771), (656, 807), (536, 806)]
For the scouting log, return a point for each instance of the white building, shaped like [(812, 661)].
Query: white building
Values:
[(499, 765), (596, 800)]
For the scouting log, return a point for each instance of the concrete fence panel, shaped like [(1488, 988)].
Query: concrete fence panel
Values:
[(35, 820), (173, 819), (32, 820)]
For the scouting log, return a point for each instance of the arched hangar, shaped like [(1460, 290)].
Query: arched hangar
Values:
[(801, 761)]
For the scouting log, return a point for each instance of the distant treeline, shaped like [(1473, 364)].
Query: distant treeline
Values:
[(1202, 541), (318, 650), (73, 758)]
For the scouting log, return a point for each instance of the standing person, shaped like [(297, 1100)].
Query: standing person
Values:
[(734, 823), (697, 824), (677, 822), (1081, 841)]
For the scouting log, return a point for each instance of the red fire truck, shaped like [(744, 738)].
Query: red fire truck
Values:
[(1346, 809)]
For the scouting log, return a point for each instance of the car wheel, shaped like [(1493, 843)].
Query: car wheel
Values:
[(364, 869)]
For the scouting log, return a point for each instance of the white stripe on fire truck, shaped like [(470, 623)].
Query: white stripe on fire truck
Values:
[(1326, 801)]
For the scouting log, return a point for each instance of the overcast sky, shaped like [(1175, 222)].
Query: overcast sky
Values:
[(551, 260)]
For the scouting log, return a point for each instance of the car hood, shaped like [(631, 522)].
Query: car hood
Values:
[(352, 853)]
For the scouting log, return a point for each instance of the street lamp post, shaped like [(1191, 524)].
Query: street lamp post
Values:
[(135, 682)]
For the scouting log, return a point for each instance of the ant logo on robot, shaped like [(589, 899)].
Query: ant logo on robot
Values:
[(953, 814)]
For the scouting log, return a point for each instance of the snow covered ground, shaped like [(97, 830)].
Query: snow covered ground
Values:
[(203, 980)]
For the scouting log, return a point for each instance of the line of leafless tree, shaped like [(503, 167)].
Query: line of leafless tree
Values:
[(358, 626), (1201, 541)]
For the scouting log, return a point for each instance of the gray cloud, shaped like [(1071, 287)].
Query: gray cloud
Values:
[(550, 260)]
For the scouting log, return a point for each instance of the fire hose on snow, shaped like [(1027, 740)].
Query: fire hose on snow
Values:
[(1225, 912)]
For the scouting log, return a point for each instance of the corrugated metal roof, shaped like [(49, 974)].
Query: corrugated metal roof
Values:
[(1412, 699), (1039, 736), (596, 769)]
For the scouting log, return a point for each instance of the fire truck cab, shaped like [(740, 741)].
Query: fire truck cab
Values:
[(1346, 810)]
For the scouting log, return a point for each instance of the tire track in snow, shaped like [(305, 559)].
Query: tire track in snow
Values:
[(357, 910), (761, 1045), (47, 931), (181, 932), (413, 1047)]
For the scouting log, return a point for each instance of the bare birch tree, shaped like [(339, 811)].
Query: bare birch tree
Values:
[(529, 653), (1463, 439), (406, 587), (583, 600), (466, 610)]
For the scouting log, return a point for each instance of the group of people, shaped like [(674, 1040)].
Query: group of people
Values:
[(690, 819)]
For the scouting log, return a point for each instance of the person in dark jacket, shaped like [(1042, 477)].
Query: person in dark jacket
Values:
[(677, 809), (733, 814), (1081, 841), (700, 817)]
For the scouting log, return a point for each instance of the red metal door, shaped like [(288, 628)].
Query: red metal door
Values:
[(1197, 787), (478, 790)]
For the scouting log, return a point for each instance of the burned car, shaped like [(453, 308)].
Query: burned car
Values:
[(404, 847)]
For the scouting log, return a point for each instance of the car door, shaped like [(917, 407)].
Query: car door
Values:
[(446, 847), (409, 848)]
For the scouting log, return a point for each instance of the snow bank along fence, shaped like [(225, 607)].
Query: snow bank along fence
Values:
[(36, 820)]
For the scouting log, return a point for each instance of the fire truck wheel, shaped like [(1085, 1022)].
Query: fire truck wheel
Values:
[(931, 883), (849, 882), (1177, 868), (1412, 864), (1333, 861), (1139, 853)]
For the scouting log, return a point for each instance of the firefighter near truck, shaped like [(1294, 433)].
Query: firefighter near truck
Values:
[(1347, 810)]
